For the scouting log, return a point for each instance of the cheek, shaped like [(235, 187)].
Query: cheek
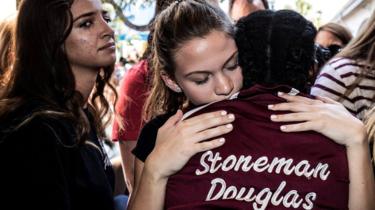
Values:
[(79, 47), (197, 94), (237, 80)]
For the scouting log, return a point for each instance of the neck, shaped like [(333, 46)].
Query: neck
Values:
[(85, 81)]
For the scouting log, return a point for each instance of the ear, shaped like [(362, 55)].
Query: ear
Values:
[(170, 83)]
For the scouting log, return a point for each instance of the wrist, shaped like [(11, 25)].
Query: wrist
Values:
[(152, 172), (359, 139)]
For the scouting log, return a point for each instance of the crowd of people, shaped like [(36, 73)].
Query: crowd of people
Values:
[(251, 109)]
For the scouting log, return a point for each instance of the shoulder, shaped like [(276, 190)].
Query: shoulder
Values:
[(339, 71), (341, 65), (35, 121), (153, 125), (147, 138), (159, 120)]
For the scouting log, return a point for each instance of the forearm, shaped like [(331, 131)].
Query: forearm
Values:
[(362, 187), (128, 162), (150, 192)]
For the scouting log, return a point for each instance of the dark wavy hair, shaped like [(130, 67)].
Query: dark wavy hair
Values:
[(276, 48), (42, 70)]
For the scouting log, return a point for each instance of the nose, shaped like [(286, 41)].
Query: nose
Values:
[(224, 85), (107, 31)]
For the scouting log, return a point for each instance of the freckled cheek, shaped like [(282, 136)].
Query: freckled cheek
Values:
[(82, 47), (87, 45)]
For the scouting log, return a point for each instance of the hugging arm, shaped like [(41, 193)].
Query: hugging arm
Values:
[(177, 141), (331, 119)]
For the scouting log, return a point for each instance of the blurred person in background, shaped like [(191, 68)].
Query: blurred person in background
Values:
[(241, 8), (349, 77), (333, 34), (330, 39), (133, 91)]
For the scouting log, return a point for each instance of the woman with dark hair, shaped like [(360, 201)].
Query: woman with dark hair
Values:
[(51, 109)]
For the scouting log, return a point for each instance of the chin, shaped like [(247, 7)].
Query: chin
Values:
[(109, 61)]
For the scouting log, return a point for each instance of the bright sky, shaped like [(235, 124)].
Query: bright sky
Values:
[(8, 7), (329, 8)]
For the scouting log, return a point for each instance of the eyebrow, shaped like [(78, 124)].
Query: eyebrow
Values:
[(230, 58), (206, 71), (88, 14), (83, 15)]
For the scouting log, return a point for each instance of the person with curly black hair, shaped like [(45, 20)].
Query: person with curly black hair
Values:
[(261, 166), (276, 48)]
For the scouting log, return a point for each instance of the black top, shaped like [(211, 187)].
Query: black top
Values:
[(147, 137), (43, 168)]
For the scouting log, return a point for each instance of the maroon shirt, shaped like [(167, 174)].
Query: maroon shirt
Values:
[(260, 167)]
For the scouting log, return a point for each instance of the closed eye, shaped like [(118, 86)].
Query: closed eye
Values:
[(232, 63), (233, 67), (201, 82)]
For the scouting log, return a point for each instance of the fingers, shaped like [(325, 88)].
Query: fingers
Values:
[(305, 126), (294, 117), (208, 145), (300, 99), (208, 120), (291, 106), (212, 132)]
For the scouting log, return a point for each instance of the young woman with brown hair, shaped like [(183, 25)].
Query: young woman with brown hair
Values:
[(51, 108)]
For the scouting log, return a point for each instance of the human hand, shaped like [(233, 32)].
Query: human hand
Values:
[(177, 141), (323, 115)]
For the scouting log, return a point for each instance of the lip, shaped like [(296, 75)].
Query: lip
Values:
[(110, 45)]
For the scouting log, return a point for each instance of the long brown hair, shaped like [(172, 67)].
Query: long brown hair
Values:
[(42, 70), (181, 22), (343, 34)]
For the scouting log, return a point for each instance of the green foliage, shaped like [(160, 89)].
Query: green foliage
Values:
[(121, 5), (303, 7)]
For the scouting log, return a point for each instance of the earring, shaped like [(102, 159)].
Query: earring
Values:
[(178, 89)]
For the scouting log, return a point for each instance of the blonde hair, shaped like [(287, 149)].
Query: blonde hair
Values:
[(7, 27), (361, 49), (369, 122)]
